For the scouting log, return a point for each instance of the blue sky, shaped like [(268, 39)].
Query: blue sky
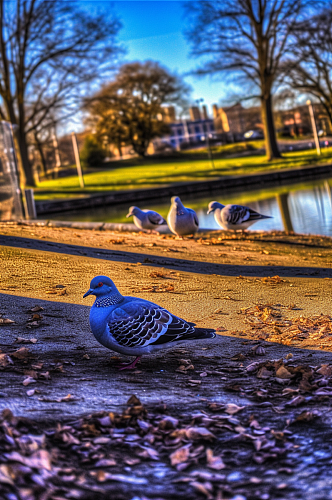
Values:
[(153, 29)]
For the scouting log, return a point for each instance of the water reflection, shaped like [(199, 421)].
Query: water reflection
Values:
[(303, 208)]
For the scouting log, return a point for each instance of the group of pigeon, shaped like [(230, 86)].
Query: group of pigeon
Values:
[(135, 326), (183, 221)]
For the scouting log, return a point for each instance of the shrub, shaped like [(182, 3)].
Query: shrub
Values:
[(92, 154)]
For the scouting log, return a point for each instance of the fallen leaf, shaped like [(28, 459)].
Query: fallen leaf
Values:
[(199, 433), (5, 360), (6, 321), (180, 455), (231, 409), (214, 462), (283, 373), (29, 380), (21, 353)]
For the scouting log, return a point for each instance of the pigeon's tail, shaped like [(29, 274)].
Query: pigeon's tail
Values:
[(204, 333)]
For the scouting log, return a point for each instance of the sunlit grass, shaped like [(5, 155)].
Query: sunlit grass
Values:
[(149, 173)]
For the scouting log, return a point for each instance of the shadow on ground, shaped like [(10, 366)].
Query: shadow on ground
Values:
[(170, 263)]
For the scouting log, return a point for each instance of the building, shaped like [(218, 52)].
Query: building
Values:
[(296, 121), (235, 120), (186, 133)]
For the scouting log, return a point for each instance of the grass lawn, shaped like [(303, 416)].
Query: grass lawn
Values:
[(190, 167)]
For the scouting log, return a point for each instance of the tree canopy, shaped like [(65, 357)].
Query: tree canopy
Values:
[(310, 58), (126, 111), (49, 52), (248, 38)]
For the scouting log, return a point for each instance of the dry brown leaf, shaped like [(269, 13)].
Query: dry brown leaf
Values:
[(5, 360), (21, 353), (283, 373), (199, 433), (28, 381), (6, 321), (232, 409), (180, 455), (214, 462)]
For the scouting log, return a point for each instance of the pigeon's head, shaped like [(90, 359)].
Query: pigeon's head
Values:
[(132, 211), (175, 200), (101, 285), (213, 205)]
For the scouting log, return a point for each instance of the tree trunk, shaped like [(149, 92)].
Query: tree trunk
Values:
[(284, 211), (41, 154), (27, 167), (271, 146)]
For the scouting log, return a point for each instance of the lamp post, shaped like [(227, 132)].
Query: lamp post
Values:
[(313, 125), (198, 101)]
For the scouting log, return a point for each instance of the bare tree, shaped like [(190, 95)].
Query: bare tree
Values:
[(248, 38), (48, 52), (126, 110), (310, 62)]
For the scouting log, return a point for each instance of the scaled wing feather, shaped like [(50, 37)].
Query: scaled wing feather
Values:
[(138, 325)]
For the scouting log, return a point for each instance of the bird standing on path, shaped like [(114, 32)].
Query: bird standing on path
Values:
[(147, 220), (135, 326), (234, 216), (181, 220)]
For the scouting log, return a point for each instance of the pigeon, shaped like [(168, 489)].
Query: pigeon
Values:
[(234, 216), (181, 220), (145, 219), (134, 326)]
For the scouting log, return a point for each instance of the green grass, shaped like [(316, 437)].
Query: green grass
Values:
[(149, 173)]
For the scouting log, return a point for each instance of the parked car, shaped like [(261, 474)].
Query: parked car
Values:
[(253, 134)]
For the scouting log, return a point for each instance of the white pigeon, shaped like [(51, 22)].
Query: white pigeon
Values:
[(145, 219), (181, 220), (135, 326), (234, 216)]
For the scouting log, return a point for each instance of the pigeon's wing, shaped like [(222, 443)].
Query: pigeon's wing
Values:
[(256, 215), (237, 214), (139, 325), (155, 218), (194, 214)]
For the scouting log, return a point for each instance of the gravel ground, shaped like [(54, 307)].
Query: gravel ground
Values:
[(244, 416)]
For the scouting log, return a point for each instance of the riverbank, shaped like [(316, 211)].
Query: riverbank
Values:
[(210, 420), (223, 185)]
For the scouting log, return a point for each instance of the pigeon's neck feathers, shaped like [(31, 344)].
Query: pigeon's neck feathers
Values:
[(108, 300), (140, 214), (180, 208), (219, 205)]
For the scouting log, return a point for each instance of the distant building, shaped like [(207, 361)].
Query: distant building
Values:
[(236, 120), (194, 113), (296, 121), (184, 133), (169, 114)]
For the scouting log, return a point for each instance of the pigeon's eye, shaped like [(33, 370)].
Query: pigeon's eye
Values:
[(100, 284)]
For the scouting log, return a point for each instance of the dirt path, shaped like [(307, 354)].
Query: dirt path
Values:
[(245, 416)]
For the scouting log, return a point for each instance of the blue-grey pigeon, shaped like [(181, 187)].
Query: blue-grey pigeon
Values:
[(181, 220), (234, 216), (147, 220), (135, 326)]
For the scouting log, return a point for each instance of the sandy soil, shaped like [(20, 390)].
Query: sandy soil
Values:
[(269, 298)]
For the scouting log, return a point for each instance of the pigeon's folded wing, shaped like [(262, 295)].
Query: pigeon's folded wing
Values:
[(237, 214), (139, 325), (155, 218), (194, 214)]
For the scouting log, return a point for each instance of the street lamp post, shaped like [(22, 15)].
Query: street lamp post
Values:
[(198, 101), (313, 125)]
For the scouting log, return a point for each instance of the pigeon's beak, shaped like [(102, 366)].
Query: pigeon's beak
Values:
[(210, 210), (129, 215), (89, 292)]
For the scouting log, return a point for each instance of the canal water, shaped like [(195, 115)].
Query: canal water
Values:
[(304, 208)]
